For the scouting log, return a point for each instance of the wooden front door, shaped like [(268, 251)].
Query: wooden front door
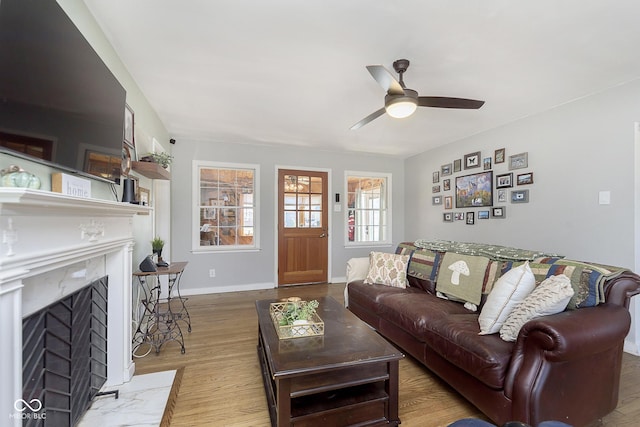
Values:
[(302, 227)]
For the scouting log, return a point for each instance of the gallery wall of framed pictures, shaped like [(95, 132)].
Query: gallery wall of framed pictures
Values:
[(473, 188)]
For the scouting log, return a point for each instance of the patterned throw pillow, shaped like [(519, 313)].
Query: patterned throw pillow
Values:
[(509, 291), (461, 277), (387, 269), (549, 297)]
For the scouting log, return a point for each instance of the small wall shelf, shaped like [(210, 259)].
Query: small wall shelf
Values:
[(150, 170)]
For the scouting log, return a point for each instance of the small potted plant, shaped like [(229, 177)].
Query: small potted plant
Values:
[(156, 245), (163, 159), (299, 314)]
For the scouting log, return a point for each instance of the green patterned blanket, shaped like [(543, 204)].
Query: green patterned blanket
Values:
[(587, 279), (495, 252)]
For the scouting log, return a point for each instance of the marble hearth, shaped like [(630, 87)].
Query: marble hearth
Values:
[(52, 245)]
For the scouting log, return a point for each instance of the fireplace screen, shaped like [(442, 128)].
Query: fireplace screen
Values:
[(65, 356)]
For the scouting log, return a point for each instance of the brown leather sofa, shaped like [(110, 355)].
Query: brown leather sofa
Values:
[(563, 367)]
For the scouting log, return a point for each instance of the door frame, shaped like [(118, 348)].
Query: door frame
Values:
[(329, 217)]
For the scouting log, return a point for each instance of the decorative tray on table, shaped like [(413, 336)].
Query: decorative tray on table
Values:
[(287, 318)]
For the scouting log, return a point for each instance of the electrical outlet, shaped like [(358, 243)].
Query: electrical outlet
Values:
[(212, 272)]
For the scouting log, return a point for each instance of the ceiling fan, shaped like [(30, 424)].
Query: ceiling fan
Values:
[(401, 102)]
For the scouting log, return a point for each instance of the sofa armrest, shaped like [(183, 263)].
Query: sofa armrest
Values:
[(576, 354)]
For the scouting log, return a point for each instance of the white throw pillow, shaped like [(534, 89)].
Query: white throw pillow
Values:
[(387, 269), (549, 297), (357, 269), (509, 291)]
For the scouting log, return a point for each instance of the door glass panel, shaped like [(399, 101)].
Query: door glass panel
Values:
[(303, 219), (316, 202), (303, 202), (316, 184), (290, 202), (290, 219), (303, 184), (316, 220)]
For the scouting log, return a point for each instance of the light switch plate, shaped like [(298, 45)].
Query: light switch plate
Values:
[(604, 197)]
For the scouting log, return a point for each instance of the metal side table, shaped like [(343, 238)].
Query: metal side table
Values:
[(158, 318)]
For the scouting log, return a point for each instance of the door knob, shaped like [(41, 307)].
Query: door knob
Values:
[(323, 235)]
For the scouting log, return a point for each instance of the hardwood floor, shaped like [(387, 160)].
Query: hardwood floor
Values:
[(221, 383)]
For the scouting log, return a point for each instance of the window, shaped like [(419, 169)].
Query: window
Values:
[(226, 215), (368, 213)]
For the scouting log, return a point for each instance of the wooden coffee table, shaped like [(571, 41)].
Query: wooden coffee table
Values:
[(348, 376)]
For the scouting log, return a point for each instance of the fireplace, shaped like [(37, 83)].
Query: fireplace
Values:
[(64, 355), (52, 247)]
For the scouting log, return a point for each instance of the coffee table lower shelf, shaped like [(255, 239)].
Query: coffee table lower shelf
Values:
[(355, 395)]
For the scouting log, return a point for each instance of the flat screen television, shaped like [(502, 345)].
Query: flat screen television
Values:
[(59, 103)]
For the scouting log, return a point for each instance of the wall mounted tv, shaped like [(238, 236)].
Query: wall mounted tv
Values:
[(59, 103)]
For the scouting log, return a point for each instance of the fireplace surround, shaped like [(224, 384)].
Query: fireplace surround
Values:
[(53, 245)]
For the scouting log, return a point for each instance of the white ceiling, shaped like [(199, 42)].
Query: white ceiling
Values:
[(293, 71)]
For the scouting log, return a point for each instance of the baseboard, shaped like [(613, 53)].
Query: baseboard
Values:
[(224, 289), (631, 347), (342, 279)]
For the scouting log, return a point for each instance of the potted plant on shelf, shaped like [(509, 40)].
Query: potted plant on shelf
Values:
[(163, 159)]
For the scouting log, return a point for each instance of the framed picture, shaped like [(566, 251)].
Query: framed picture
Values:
[(499, 212), (486, 163), (472, 160), (519, 161), (498, 156), (209, 213), (457, 165), (447, 217), (128, 127), (470, 218), (525, 178), (520, 196), (502, 195), (504, 181), (436, 177), (144, 196), (448, 202), (435, 189), (446, 169), (483, 214), (446, 184), (474, 190), (436, 200), (458, 216)]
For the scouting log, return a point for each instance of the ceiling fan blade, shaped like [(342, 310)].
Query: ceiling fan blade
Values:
[(386, 79), (445, 102), (371, 117)]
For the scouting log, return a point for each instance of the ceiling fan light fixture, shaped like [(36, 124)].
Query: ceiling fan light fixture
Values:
[(401, 107)]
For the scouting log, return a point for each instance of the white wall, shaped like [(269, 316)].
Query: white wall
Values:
[(250, 270), (575, 151)]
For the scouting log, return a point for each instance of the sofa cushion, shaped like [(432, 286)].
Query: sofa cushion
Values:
[(415, 311), (462, 277), (509, 291), (387, 269), (455, 337), (369, 296), (549, 297)]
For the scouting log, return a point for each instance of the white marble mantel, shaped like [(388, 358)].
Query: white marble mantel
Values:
[(45, 236)]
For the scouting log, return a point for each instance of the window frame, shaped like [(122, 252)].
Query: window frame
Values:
[(388, 211), (196, 187)]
